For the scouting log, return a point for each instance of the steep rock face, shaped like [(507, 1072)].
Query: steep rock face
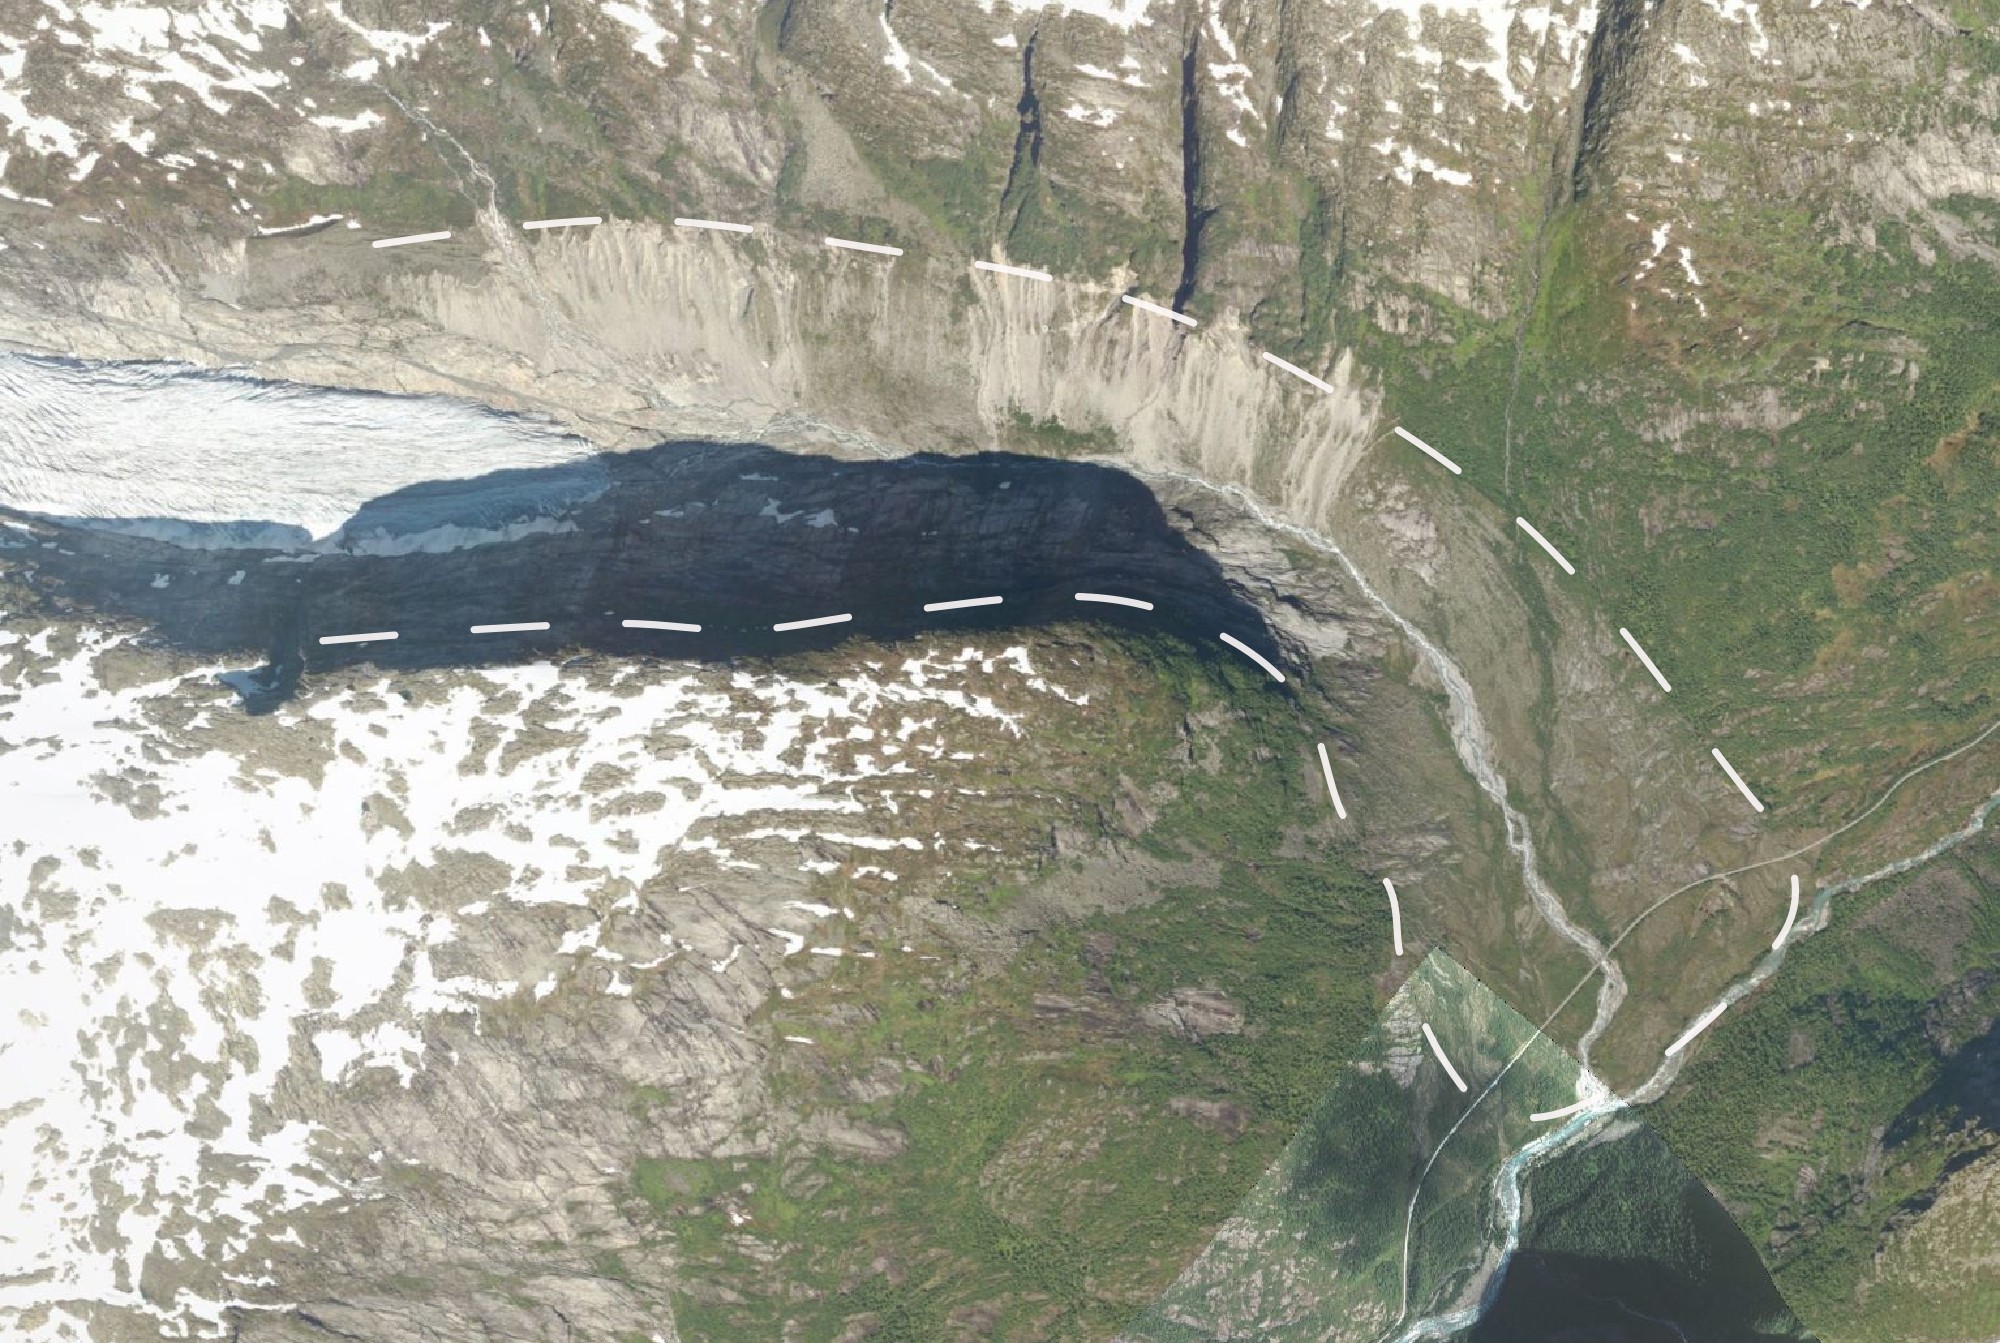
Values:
[(456, 807), (1368, 192), (633, 333), (1261, 169), (730, 541)]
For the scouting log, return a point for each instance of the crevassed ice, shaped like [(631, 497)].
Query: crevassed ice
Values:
[(222, 447), (193, 912)]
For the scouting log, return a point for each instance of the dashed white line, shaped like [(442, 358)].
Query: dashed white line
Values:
[(1438, 1050), (1247, 651), (1332, 788), (1159, 311), (1633, 644), (1566, 1111), (407, 239), (1791, 914), (1396, 925), (1297, 372), (1707, 1019), (579, 221), (852, 246), (679, 627), (364, 638), (814, 623), (962, 603), (1735, 778), (1132, 602), (1415, 442), (518, 627), (722, 224), (1022, 271), (1543, 541)]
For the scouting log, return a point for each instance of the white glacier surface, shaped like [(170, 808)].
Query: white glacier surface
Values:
[(163, 448)]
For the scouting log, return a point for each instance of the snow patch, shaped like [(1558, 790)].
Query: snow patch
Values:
[(313, 223), (393, 46), (360, 121), (1744, 13), (1090, 116), (1409, 163), (648, 35), (1124, 15), (1543, 29), (43, 134), (188, 46)]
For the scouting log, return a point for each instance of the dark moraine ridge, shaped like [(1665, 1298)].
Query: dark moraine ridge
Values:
[(734, 538)]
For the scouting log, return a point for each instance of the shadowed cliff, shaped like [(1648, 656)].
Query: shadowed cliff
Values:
[(732, 538)]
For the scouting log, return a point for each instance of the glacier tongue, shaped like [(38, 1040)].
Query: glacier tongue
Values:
[(222, 460)]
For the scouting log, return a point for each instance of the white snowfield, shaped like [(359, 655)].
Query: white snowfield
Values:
[(193, 931), (164, 445)]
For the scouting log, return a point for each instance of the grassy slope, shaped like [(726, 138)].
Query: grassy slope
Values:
[(1808, 590), (1315, 1251), (1828, 1111), (1822, 595), (1048, 1190)]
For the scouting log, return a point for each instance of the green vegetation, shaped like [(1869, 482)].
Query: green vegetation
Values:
[(589, 152), (1067, 232), (1298, 320), (386, 201), (954, 194), (1827, 1113), (1050, 437), (1064, 1149), (1801, 563), (1327, 1220)]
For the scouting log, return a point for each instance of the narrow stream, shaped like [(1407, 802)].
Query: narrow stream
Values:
[(1469, 737), (1507, 1181)]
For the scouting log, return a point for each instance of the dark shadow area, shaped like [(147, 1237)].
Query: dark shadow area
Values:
[(1966, 1092), (1564, 1298), (734, 538), (1622, 1244)]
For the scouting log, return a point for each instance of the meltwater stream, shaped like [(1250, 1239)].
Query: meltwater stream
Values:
[(1469, 739), (1474, 747), (1508, 1180)]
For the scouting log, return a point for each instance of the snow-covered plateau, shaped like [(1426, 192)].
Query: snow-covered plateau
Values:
[(211, 919)]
